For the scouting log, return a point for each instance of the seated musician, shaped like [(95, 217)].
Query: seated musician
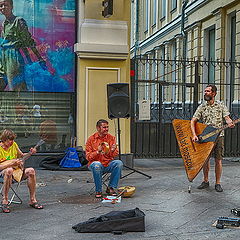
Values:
[(101, 149), (9, 150)]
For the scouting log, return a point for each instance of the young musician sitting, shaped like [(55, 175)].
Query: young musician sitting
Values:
[(101, 149), (9, 161)]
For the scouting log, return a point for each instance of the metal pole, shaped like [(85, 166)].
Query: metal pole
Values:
[(119, 141), (119, 150)]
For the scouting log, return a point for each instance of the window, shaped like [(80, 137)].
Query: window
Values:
[(211, 55), (233, 38), (147, 77), (146, 16), (38, 91), (162, 64), (174, 69), (174, 4), (154, 12), (163, 9), (154, 77), (173, 57), (233, 55)]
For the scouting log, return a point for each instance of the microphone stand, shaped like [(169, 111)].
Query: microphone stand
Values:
[(119, 151)]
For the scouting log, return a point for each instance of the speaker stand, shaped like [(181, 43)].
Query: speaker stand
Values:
[(119, 149)]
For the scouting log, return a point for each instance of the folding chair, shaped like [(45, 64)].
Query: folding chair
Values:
[(105, 178), (15, 197)]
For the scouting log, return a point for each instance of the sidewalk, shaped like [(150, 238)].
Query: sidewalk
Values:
[(171, 212)]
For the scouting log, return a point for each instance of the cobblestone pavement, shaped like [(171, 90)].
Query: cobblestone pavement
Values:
[(171, 212)]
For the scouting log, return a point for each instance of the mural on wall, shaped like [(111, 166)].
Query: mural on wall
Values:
[(36, 45)]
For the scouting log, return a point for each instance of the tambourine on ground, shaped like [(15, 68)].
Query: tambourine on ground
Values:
[(128, 191)]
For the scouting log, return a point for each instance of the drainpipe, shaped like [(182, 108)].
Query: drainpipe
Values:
[(134, 86), (137, 30)]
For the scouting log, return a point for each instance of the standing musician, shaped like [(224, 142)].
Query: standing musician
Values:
[(101, 149), (212, 113), (10, 152)]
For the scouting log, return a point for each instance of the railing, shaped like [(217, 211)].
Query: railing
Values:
[(175, 88)]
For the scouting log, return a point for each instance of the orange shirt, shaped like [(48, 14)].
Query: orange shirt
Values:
[(92, 149)]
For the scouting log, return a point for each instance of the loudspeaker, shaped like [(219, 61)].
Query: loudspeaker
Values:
[(118, 100)]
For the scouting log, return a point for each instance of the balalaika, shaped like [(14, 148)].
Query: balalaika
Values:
[(195, 154), (18, 172)]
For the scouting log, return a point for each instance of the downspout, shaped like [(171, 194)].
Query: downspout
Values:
[(134, 84), (137, 30)]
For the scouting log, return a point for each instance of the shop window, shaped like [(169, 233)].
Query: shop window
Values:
[(37, 80)]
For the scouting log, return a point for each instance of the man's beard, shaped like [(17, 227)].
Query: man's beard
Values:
[(207, 97)]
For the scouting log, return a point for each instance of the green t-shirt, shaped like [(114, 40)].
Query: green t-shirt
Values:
[(9, 154)]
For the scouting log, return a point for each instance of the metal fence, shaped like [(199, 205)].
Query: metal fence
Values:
[(172, 89)]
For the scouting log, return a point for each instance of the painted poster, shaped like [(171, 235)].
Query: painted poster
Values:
[(36, 47)]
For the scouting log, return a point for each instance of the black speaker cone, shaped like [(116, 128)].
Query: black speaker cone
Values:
[(118, 100)]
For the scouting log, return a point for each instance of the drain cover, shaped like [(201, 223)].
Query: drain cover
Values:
[(81, 199)]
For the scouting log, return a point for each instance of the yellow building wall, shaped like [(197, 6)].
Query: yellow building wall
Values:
[(93, 77), (97, 68)]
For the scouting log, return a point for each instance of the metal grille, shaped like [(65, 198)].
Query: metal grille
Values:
[(174, 89)]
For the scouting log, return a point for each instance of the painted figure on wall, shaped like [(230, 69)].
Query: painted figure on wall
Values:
[(36, 54)]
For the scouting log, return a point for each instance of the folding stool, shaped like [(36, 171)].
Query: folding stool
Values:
[(14, 192), (105, 178)]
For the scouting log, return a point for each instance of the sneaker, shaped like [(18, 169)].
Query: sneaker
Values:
[(203, 185), (218, 188)]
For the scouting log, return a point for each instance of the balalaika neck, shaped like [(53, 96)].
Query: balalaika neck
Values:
[(219, 130)]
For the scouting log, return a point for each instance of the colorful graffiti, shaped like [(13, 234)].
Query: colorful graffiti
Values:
[(37, 38)]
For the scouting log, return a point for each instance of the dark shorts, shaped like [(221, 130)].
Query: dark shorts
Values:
[(218, 150)]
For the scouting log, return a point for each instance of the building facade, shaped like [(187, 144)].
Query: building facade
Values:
[(177, 48), (170, 29)]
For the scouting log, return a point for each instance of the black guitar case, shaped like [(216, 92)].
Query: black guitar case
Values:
[(116, 222)]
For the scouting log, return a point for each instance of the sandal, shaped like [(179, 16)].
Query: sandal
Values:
[(98, 195), (36, 205), (5, 208), (111, 191)]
